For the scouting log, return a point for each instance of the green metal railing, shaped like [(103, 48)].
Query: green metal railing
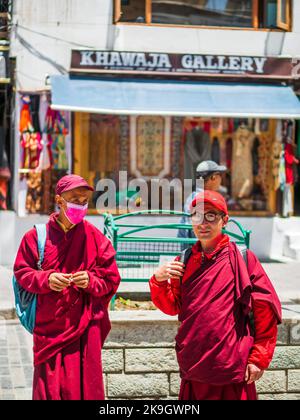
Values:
[(140, 246)]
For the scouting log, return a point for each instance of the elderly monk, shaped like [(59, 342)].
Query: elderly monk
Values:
[(79, 277), (219, 355)]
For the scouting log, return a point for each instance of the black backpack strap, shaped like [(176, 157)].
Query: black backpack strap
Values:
[(185, 255), (251, 315)]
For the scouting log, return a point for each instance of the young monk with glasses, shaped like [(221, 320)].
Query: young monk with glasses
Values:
[(220, 356)]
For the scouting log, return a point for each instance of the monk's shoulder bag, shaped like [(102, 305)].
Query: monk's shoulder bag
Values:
[(25, 302)]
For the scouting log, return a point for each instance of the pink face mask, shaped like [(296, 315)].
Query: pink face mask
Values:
[(75, 213)]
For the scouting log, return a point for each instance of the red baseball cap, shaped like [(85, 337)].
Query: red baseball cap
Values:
[(70, 182), (210, 197)]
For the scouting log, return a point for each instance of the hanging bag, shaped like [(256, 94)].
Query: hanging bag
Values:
[(25, 302)]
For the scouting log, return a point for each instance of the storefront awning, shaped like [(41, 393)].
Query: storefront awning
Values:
[(175, 98)]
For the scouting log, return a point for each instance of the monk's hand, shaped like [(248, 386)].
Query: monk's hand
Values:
[(174, 270), (58, 281), (81, 279), (253, 373)]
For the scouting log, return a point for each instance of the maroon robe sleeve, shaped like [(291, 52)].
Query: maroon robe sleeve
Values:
[(265, 337), (104, 276), (263, 289), (166, 295), (25, 267)]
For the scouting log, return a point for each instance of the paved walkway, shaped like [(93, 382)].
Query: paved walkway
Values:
[(15, 362)]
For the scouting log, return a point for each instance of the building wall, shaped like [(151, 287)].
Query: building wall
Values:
[(47, 31), (139, 360)]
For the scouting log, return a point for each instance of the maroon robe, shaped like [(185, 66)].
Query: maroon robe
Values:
[(71, 326), (214, 340)]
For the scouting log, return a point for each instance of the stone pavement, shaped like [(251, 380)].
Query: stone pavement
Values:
[(15, 361)]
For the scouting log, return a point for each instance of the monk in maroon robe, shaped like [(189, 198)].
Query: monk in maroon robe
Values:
[(220, 356), (78, 279)]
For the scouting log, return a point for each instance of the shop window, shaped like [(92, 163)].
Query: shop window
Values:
[(170, 148), (283, 14), (133, 11), (204, 13), (276, 14), (143, 147), (245, 147), (272, 14)]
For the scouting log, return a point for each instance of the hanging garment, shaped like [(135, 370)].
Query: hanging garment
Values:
[(251, 124), (50, 121), (288, 207), (54, 151), (60, 123), (257, 127), (3, 193), (3, 66), (264, 125), (255, 156), (35, 148), (215, 151), (2, 144), (44, 105), (290, 131), (236, 123), (229, 149), (290, 160), (206, 126), (230, 126), (5, 176), (197, 149), (279, 131), (276, 156), (58, 146), (34, 107), (25, 119), (63, 162), (25, 159), (44, 160), (49, 148), (242, 165), (31, 145), (298, 139), (282, 173), (4, 168), (221, 126), (34, 193), (59, 154)]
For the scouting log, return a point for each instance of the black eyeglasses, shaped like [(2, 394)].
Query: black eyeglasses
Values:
[(209, 217)]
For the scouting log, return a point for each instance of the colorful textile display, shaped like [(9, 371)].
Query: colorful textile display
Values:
[(43, 150), (242, 165)]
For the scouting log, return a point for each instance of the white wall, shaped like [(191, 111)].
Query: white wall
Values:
[(89, 24), (267, 237)]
